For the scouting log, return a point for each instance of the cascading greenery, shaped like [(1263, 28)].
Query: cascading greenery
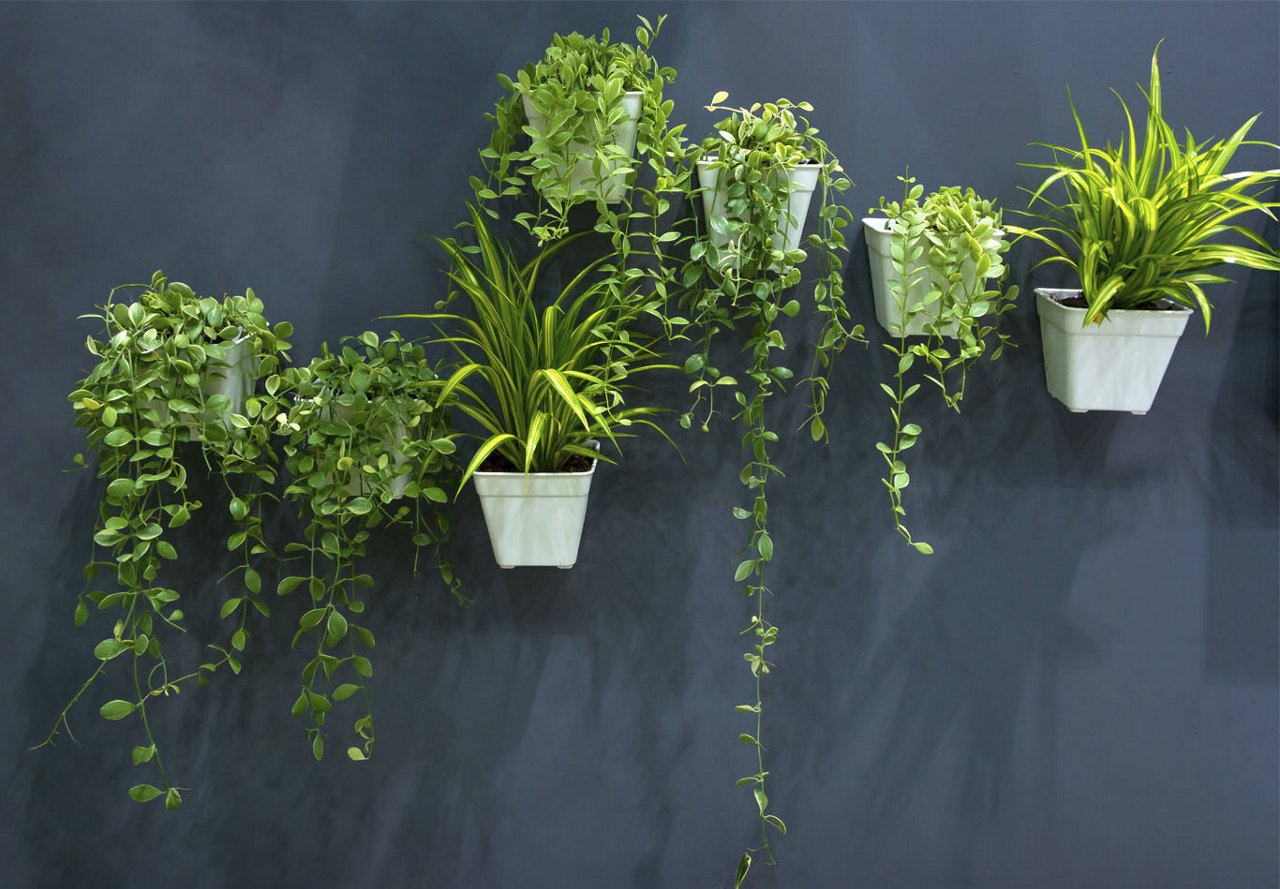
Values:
[(740, 276), (947, 253), (1141, 223), (365, 435), (171, 368)]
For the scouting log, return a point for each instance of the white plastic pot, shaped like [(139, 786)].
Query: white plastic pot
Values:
[(582, 179), (355, 482), (233, 377), (884, 272), (803, 179), (534, 519), (1113, 366)]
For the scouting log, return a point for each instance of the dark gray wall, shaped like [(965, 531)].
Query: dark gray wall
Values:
[(1079, 689)]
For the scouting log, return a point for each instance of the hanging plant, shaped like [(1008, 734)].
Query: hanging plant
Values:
[(365, 446), (170, 369), (588, 109), (757, 172), (942, 279)]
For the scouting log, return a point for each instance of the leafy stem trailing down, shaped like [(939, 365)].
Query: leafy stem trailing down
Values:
[(1142, 223), (948, 269), (171, 369), (740, 275), (363, 434)]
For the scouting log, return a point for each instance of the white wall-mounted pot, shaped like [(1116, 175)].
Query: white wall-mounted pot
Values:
[(534, 519), (1113, 366), (582, 179), (803, 179), (356, 484), (234, 377), (884, 272)]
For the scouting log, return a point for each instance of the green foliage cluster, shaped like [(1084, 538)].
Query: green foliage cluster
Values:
[(578, 89), (1142, 221), (951, 242), (362, 435), (160, 361), (359, 430)]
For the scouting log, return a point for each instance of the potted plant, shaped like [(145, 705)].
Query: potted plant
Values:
[(1140, 224), (757, 171), (361, 430), (546, 386), (160, 380), (586, 107), (937, 267)]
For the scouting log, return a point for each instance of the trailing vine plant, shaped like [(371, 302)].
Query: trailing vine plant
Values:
[(740, 276), (366, 445), (948, 264), (171, 369)]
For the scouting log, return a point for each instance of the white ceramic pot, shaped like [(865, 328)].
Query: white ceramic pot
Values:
[(1113, 366), (802, 178), (884, 272), (582, 179), (534, 519)]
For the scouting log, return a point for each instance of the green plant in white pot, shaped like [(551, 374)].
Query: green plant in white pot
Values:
[(937, 269), (365, 447), (1142, 224), (170, 393), (757, 174), (547, 385), (588, 109)]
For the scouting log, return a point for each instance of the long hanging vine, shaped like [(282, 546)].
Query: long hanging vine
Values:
[(742, 273), (171, 369), (947, 258)]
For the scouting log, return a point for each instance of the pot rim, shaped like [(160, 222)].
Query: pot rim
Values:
[(1048, 294)]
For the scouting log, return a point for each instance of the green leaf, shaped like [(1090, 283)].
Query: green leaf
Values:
[(745, 570), (173, 799), (117, 438), (923, 547), (362, 666), (229, 607), (238, 639), (117, 709), (764, 544), (143, 754), (356, 754), (239, 509), (143, 793), (166, 550), (109, 648), (744, 867), (337, 625), (288, 585), (317, 747), (252, 581), (344, 691)]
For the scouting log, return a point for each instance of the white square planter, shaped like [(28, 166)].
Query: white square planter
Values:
[(582, 180), (234, 377), (534, 519), (884, 272), (803, 180), (1113, 366)]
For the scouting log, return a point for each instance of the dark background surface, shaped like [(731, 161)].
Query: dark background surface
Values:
[(1078, 689)]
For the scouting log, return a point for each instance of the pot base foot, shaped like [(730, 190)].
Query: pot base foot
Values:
[(1138, 413), (1078, 410)]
